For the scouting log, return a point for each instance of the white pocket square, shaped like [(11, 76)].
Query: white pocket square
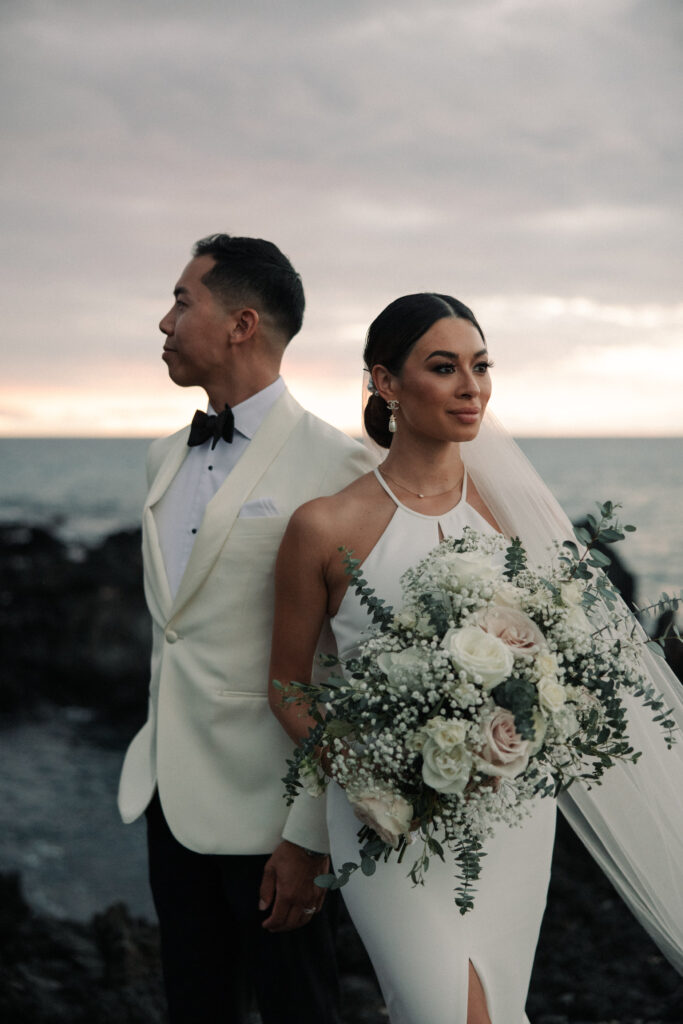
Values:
[(258, 507)]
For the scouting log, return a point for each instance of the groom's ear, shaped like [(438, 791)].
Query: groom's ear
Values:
[(384, 381), (244, 325)]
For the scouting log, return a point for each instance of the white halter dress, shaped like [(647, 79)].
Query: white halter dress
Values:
[(417, 939)]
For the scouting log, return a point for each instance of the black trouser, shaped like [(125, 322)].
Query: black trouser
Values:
[(215, 954)]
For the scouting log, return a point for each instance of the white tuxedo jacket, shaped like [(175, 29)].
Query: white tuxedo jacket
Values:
[(211, 744)]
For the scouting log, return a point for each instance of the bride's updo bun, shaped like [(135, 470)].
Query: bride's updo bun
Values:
[(376, 419), (390, 338)]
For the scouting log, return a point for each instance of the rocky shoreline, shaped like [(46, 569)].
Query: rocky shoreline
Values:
[(594, 963)]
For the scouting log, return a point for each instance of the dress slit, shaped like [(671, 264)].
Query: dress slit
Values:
[(481, 978)]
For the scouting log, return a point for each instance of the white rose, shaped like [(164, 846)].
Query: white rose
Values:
[(446, 771), (446, 733), (513, 627), (551, 695), (503, 751), (577, 620), (571, 593), (470, 567), (566, 723), (407, 618), (477, 652), (402, 668), (388, 814), (546, 663)]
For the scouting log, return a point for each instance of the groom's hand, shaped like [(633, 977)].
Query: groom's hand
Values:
[(288, 889)]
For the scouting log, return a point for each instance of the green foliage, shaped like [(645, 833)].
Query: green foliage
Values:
[(572, 548), (373, 848), (515, 558), (436, 605), (292, 780), (380, 612), (518, 696), (469, 852), (605, 529)]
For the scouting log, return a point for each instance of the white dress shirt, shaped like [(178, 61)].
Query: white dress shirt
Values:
[(180, 510)]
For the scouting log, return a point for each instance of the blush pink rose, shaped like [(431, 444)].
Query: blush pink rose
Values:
[(503, 751), (513, 627)]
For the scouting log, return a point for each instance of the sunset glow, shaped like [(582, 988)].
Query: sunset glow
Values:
[(563, 367)]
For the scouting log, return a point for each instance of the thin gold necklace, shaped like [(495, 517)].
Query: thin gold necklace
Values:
[(417, 493)]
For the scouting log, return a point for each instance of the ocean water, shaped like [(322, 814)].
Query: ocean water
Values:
[(81, 488), (84, 489)]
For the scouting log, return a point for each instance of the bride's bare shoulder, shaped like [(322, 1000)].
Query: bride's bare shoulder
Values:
[(330, 514)]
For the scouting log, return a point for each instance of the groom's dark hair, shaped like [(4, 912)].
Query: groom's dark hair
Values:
[(253, 272), (392, 335)]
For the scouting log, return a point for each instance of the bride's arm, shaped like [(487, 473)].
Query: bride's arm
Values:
[(288, 885), (301, 601)]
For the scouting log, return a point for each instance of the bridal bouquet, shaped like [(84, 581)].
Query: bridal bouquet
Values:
[(492, 685)]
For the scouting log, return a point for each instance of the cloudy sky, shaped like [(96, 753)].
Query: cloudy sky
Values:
[(523, 155)]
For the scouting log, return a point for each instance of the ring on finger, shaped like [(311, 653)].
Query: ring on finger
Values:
[(309, 910)]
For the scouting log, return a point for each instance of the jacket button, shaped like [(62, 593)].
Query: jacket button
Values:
[(171, 636)]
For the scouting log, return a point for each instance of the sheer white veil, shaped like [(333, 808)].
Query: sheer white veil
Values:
[(632, 824)]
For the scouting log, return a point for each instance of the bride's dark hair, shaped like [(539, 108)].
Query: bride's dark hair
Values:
[(392, 335)]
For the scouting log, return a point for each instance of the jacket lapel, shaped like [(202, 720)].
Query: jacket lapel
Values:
[(156, 578), (223, 509), (170, 465)]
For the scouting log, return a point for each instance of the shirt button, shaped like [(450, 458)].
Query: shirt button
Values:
[(171, 636), (210, 467), (194, 531)]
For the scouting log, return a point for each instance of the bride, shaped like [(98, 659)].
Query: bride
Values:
[(430, 385)]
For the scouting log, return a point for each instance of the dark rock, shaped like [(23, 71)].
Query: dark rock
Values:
[(73, 630), (361, 1000), (59, 972), (594, 963)]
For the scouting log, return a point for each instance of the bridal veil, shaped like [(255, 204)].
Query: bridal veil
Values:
[(632, 823)]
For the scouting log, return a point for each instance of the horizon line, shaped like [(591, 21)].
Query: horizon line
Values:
[(355, 437)]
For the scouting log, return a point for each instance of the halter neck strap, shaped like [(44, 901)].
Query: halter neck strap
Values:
[(382, 482)]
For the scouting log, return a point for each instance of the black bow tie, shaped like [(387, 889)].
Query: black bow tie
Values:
[(204, 426)]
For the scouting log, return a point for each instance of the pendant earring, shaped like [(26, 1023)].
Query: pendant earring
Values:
[(393, 406)]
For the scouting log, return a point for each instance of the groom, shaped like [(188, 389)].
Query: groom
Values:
[(231, 867)]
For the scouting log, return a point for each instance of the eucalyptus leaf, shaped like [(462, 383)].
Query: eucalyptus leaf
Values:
[(610, 536), (326, 881), (599, 559), (368, 866), (582, 534)]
